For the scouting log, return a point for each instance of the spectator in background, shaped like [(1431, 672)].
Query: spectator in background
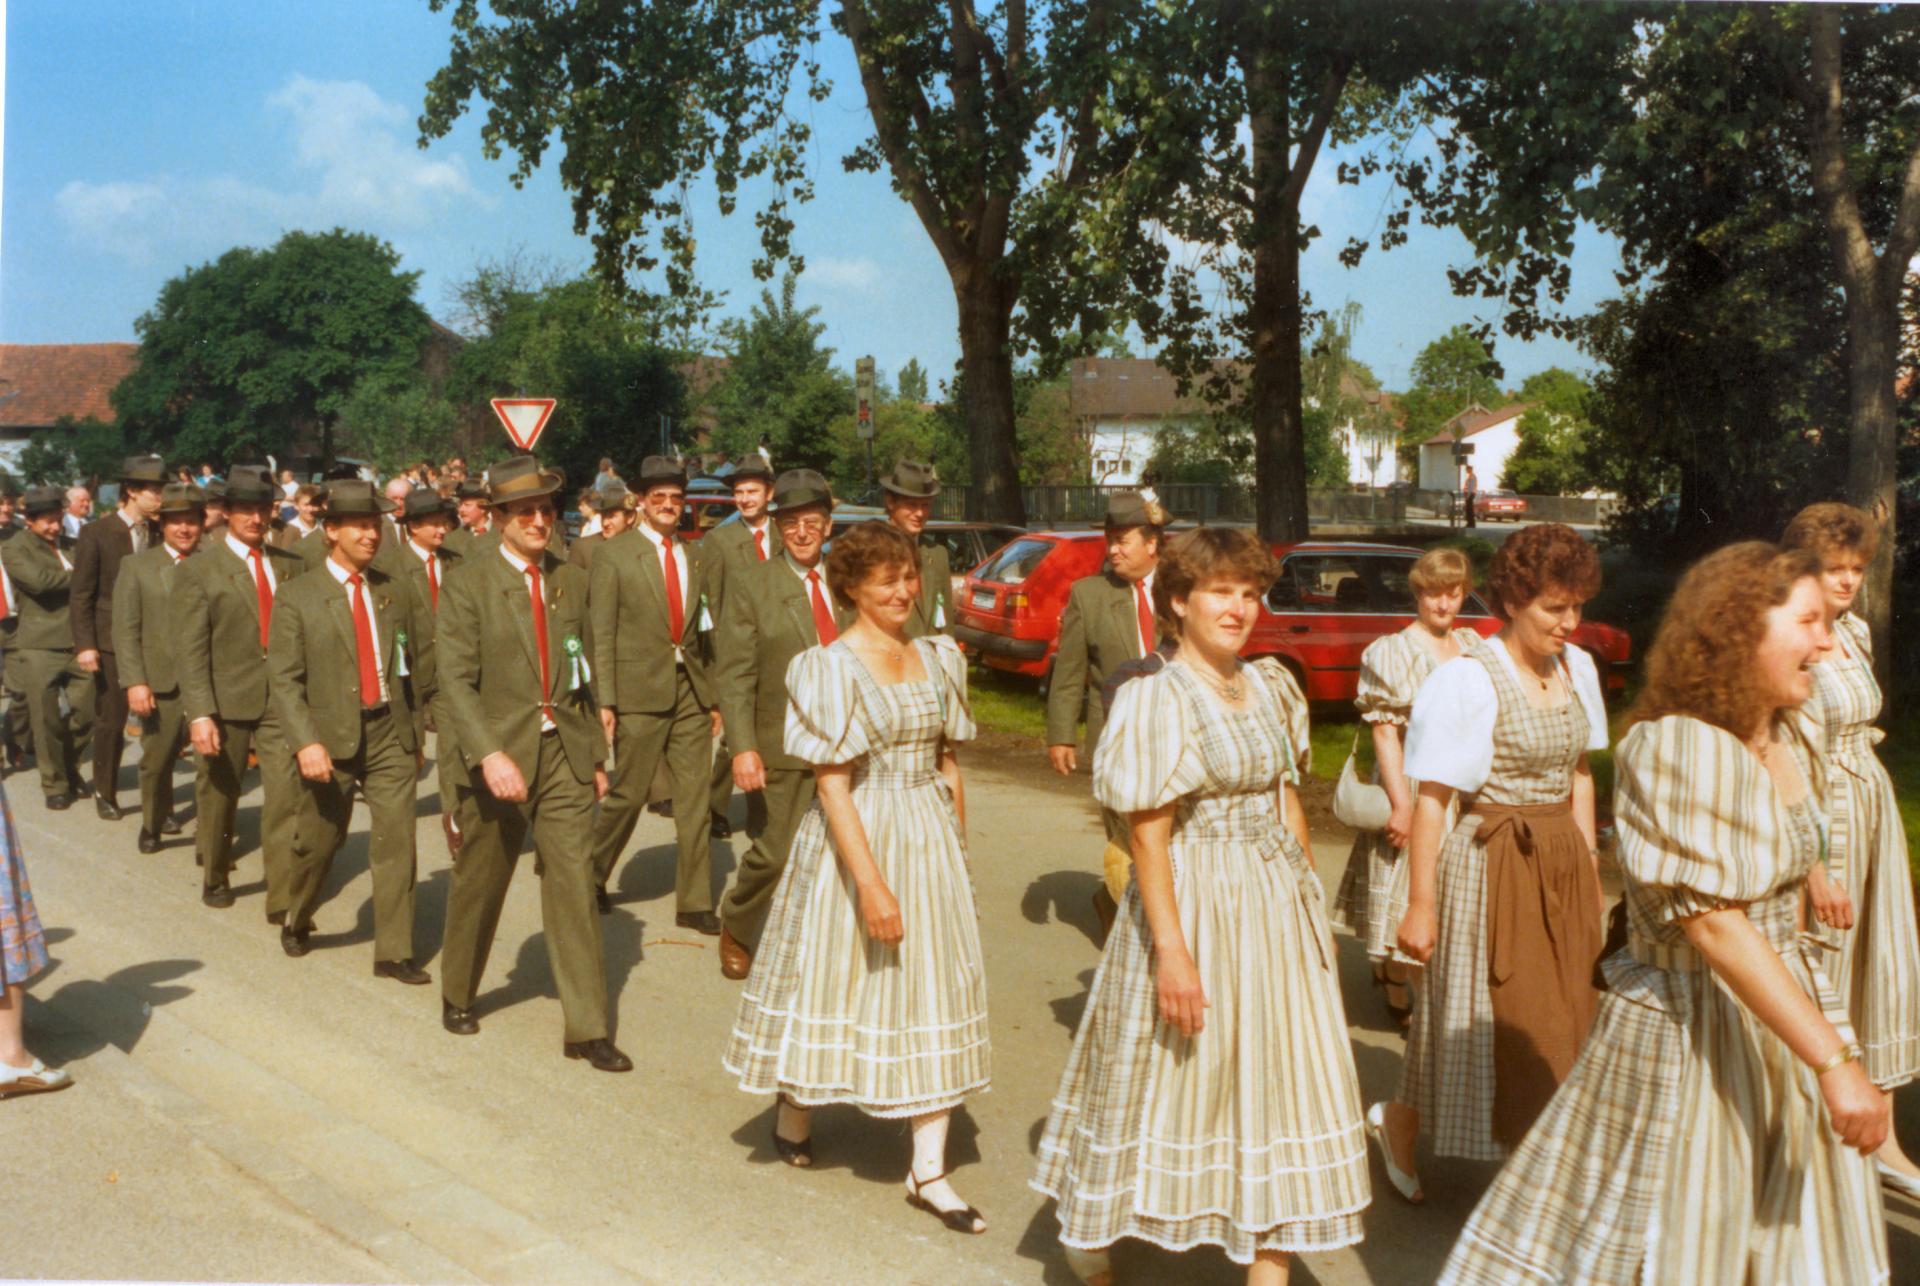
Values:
[(306, 514), (607, 476), (79, 509), (206, 473), (588, 505), (287, 485), (455, 470), (23, 954), (1470, 488)]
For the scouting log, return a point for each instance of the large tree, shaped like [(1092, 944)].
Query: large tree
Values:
[(1561, 114), (1451, 374), (780, 388), (644, 98), (261, 349)]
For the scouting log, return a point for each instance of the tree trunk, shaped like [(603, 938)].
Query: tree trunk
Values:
[(1873, 361), (1273, 321), (986, 383)]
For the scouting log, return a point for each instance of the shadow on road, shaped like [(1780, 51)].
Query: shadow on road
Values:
[(1064, 896), (86, 1015)]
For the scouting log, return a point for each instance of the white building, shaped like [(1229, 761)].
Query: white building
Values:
[(1122, 404), (1493, 435), (1372, 442)]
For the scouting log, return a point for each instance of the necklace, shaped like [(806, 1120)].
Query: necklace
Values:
[(1230, 690), (1518, 665)]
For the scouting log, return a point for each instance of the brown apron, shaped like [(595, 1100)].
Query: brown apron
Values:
[(1544, 937)]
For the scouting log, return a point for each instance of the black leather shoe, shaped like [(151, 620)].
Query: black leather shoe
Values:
[(699, 921), (294, 941), (59, 803), (148, 841), (661, 808), (82, 791), (460, 1022), (108, 810), (170, 825), (720, 828), (604, 901), (219, 897), (601, 1053), (402, 971)]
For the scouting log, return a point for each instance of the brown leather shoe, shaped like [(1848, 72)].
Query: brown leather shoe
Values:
[(699, 921), (735, 960)]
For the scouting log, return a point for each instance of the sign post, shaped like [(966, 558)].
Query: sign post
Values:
[(524, 418), (863, 390)]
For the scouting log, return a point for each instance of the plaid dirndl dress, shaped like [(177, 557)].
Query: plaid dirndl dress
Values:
[(1877, 967), (1689, 1144), (23, 947), (1248, 1135)]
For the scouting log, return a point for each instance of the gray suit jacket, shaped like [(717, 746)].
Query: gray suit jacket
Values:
[(313, 665), (633, 668), (223, 667), (145, 634), (767, 622)]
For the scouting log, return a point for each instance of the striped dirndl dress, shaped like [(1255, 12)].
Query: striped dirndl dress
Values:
[(1689, 1144), (1877, 967), (1247, 1135), (1372, 899), (826, 1015)]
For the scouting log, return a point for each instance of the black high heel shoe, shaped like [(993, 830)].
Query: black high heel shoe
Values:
[(798, 1155), (962, 1220)]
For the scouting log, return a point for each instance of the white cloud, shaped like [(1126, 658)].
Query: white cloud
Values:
[(352, 147), (843, 274)]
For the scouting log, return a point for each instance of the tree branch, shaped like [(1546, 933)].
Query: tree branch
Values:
[(892, 134), (1827, 154), (1316, 131)]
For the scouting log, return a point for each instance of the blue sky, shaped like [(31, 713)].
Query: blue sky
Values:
[(143, 138)]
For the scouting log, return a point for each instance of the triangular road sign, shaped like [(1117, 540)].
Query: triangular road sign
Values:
[(524, 418)]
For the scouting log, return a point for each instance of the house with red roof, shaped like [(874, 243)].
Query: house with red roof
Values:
[(1493, 435), (39, 383)]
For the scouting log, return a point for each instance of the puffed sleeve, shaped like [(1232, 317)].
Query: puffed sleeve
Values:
[(1685, 803), (1292, 706), (1385, 694), (1145, 758), (826, 718), (1859, 638), (1586, 686), (949, 670), (1450, 736)]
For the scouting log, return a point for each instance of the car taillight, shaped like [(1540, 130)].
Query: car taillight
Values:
[(1016, 602)]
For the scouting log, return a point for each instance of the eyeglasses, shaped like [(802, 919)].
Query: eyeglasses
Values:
[(810, 524)]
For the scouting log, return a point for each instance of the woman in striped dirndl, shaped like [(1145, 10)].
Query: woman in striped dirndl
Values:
[(1373, 889), (1504, 907), (1210, 1096), (1716, 1126), (868, 987), (23, 954), (1864, 894)]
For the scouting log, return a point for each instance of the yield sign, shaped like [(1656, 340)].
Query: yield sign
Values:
[(524, 418)]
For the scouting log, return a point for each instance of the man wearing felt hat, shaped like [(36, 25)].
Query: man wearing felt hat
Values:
[(103, 545), (144, 641), (224, 614), (41, 574), (618, 509), (746, 540), (15, 731), (347, 670), (214, 495), (649, 606), (516, 685), (1108, 621), (908, 491), (472, 515), (774, 611), (426, 517)]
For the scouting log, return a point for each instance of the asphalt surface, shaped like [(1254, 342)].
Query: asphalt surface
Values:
[(244, 1116)]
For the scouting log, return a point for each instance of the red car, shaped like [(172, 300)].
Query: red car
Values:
[(1332, 599), (1500, 505)]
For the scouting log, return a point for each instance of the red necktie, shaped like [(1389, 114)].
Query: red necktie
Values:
[(363, 645), (822, 618), (760, 544), (1146, 617), (433, 578), (540, 635), (5, 592), (675, 616), (264, 589)]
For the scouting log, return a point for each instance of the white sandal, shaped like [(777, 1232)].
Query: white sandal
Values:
[(1093, 1267), (1407, 1185), (38, 1079)]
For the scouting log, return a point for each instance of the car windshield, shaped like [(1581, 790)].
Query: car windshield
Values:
[(1012, 565), (1351, 582)]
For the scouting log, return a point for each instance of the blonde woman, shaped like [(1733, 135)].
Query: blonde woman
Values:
[(1864, 893), (1210, 1098), (1716, 1126), (1373, 891)]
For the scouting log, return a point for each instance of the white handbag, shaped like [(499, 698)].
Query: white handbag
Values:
[(1361, 805)]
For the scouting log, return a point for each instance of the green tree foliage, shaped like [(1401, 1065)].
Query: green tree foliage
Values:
[(249, 354), (73, 450), (781, 388), (396, 423), (574, 341), (1555, 436), (645, 98), (1342, 396), (1452, 373), (912, 383)]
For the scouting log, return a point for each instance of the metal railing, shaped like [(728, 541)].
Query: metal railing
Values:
[(1069, 506)]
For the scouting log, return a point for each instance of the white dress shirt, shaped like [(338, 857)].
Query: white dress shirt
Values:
[(340, 575), (520, 566), (1450, 736), (245, 555), (137, 527)]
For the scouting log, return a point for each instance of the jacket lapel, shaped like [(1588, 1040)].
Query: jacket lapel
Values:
[(513, 589), (1126, 618), (240, 571)]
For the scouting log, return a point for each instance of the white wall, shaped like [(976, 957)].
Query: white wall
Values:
[(1492, 447), (1359, 450), (1120, 450)]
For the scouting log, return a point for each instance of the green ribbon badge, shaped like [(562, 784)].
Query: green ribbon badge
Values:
[(400, 646), (578, 674), (706, 617)]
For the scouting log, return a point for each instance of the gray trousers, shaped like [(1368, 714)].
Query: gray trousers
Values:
[(773, 815), (216, 797), (162, 734), (58, 736), (684, 735)]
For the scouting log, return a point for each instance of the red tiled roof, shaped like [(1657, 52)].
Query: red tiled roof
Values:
[(1473, 420), (39, 383), (1127, 388)]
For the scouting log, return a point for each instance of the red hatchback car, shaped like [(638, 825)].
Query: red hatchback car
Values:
[(1332, 599)]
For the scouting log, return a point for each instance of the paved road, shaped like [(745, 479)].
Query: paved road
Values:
[(243, 1116)]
